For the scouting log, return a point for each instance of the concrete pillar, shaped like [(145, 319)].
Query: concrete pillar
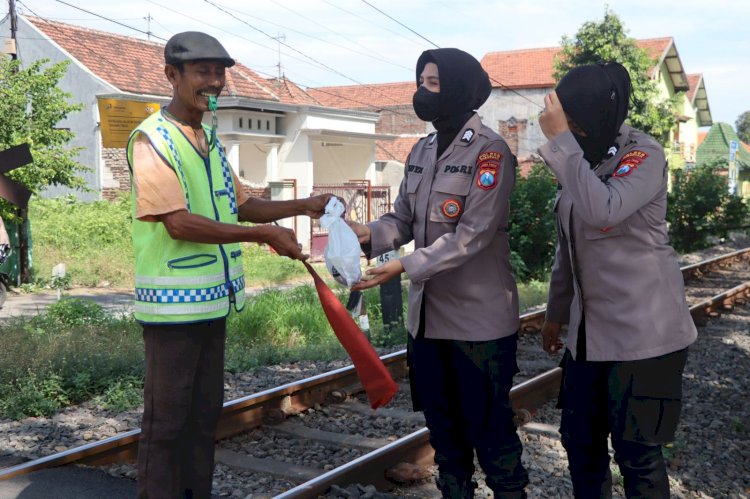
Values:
[(272, 163), (233, 155)]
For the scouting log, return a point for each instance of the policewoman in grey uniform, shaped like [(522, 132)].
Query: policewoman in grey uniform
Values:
[(463, 303), (617, 285)]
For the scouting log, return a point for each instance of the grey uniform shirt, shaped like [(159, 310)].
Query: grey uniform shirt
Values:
[(455, 208), (614, 265)]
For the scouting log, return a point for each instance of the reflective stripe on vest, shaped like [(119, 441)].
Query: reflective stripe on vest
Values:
[(182, 295)]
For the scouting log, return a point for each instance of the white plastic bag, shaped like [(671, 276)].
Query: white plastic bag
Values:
[(342, 251)]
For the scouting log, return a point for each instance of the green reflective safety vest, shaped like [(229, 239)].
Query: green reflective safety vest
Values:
[(179, 282)]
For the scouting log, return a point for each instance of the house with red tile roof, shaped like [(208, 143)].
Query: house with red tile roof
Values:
[(279, 138), (693, 112), (276, 134), (521, 79), (392, 101)]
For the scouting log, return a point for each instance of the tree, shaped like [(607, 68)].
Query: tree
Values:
[(533, 233), (743, 127), (32, 106), (607, 40)]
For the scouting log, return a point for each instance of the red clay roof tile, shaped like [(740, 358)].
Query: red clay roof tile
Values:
[(693, 80), (376, 96), (134, 65), (290, 92), (515, 69), (533, 68)]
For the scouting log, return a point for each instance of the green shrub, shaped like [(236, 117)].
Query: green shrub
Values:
[(123, 394), (70, 311), (699, 206), (67, 354), (533, 233), (33, 395), (734, 216)]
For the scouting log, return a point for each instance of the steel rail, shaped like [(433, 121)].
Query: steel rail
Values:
[(525, 398), (415, 447), (275, 404)]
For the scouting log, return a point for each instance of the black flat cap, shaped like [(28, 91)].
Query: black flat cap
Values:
[(195, 46)]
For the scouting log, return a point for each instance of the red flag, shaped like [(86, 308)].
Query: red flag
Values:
[(375, 378)]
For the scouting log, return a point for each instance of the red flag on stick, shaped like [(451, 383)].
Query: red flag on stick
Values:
[(375, 378)]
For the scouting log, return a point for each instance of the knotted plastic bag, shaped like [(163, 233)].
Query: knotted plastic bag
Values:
[(342, 251)]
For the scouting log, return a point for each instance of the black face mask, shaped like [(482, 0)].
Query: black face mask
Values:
[(426, 104), (593, 148)]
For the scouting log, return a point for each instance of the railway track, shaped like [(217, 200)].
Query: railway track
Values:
[(336, 392)]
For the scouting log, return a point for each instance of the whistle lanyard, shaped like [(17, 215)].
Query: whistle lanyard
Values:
[(213, 107)]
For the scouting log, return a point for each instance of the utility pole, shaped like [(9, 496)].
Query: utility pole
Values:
[(13, 26), (280, 38), (24, 274), (148, 28)]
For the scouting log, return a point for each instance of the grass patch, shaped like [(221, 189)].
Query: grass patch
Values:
[(532, 294), (94, 241), (76, 351), (72, 352)]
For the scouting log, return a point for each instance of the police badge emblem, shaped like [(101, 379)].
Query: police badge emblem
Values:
[(451, 208)]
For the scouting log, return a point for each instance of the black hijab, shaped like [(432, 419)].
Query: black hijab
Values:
[(596, 98), (464, 87)]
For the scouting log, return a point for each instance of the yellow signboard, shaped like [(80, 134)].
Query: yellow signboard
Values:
[(120, 117)]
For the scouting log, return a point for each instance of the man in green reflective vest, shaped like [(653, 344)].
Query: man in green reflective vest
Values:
[(187, 202)]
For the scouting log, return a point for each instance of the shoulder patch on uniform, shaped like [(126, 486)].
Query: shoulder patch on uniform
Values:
[(634, 155), (629, 162), (488, 164), (468, 135)]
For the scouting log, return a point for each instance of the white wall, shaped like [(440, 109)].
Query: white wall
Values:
[(345, 124), (253, 162), (337, 164)]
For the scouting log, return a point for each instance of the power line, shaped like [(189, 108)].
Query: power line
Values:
[(334, 32), (301, 85), (367, 105), (289, 46), (107, 19), (217, 28), (63, 33), (370, 22), (161, 25), (436, 46), (280, 42), (400, 24), (287, 28)]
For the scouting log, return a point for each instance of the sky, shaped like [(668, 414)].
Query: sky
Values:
[(346, 42)]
